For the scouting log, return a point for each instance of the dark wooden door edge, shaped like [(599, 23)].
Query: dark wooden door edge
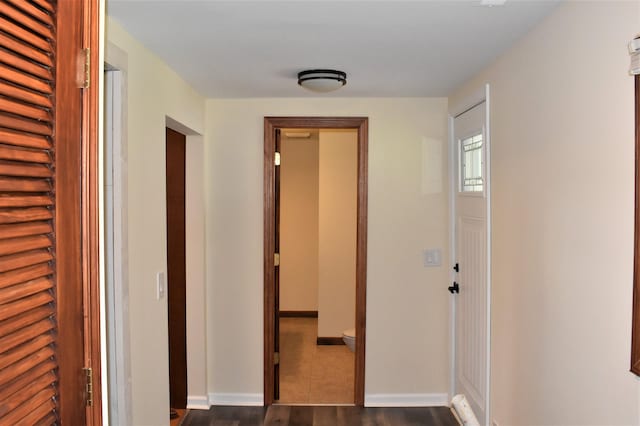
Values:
[(176, 267), (298, 314), (90, 192), (270, 125)]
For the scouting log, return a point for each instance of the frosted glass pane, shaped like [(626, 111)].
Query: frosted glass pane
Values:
[(471, 164)]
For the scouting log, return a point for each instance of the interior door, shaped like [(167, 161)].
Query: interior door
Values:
[(42, 311), (276, 272), (471, 255), (176, 268)]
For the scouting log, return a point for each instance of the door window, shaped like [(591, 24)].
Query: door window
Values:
[(471, 164)]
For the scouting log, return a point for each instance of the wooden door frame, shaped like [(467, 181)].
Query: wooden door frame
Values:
[(77, 214), (90, 212), (361, 124)]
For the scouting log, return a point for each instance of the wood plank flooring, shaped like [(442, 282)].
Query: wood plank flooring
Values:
[(283, 415)]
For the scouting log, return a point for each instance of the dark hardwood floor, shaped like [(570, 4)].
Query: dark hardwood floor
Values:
[(320, 416)]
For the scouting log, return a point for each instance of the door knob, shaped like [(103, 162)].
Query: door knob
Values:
[(455, 288)]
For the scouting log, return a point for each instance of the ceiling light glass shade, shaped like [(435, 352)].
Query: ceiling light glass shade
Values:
[(322, 81)]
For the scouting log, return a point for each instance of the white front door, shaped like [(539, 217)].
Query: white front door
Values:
[(471, 256)]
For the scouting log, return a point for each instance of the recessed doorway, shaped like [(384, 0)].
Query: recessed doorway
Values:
[(273, 368), (317, 233)]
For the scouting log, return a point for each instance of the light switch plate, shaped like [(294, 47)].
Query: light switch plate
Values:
[(431, 257), (161, 285)]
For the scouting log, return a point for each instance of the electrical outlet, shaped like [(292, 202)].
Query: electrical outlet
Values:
[(431, 257)]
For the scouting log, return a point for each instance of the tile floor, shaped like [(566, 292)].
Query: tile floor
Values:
[(312, 374)]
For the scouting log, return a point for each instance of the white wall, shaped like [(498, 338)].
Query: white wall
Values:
[(154, 93), (299, 224), (337, 225), (563, 200), (407, 304)]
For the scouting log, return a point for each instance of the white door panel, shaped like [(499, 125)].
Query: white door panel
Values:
[(471, 255)]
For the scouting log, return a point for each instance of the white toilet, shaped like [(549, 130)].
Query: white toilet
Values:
[(349, 338)]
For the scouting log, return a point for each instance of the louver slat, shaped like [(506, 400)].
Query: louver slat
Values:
[(31, 111), (25, 201), (24, 215), (21, 154), (28, 365), (26, 140), (25, 415), (33, 11), (24, 350), (24, 229), (15, 122), (45, 4), (14, 386), (25, 20), (27, 318), (16, 292), (25, 50), (23, 79), (23, 366), (22, 305), (24, 185), (23, 34), (18, 276), (24, 95), (17, 245), (27, 392)]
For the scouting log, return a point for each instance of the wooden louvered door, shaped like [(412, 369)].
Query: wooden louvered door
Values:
[(42, 323)]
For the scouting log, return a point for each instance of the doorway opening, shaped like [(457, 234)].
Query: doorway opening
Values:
[(317, 234), (272, 242)]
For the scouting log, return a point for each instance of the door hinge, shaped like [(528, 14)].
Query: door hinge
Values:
[(276, 259), (86, 72), (88, 372), (276, 159), (276, 358)]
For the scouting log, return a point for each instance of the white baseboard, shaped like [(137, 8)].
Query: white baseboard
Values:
[(239, 399), (407, 400), (198, 402)]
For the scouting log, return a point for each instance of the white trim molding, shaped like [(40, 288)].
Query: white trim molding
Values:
[(407, 400), (237, 399), (200, 402)]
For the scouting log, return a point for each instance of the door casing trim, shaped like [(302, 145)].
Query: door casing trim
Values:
[(361, 124)]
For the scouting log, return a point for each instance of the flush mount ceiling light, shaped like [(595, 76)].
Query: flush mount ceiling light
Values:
[(322, 80)]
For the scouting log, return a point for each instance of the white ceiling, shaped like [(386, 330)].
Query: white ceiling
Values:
[(237, 49)]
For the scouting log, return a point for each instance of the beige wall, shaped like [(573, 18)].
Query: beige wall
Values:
[(154, 93), (563, 197), (299, 224), (338, 202), (407, 304)]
